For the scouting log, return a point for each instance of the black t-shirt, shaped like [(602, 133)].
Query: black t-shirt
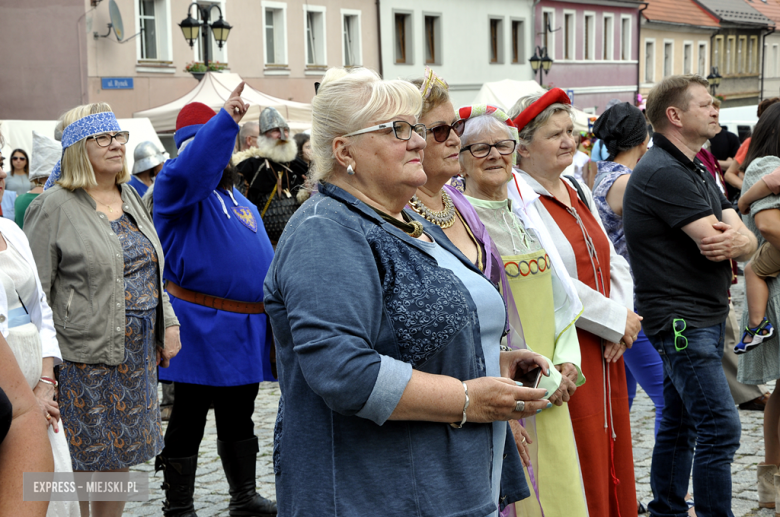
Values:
[(672, 278), (261, 177), (725, 144)]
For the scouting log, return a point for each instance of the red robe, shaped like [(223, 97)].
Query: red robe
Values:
[(607, 465)]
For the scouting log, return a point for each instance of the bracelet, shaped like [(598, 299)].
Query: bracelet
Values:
[(465, 407), (50, 381)]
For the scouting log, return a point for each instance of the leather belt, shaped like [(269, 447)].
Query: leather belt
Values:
[(221, 304)]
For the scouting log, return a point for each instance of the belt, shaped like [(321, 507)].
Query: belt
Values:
[(18, 317), (221, 304)]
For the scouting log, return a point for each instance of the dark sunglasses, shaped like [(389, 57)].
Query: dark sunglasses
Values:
[(442, 133), (19, 158)]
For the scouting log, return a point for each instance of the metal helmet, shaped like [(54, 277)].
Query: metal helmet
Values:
[(146, 156), (271, 119)]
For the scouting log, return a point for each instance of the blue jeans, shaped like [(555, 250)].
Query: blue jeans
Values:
[(644, 365), (698, 410)]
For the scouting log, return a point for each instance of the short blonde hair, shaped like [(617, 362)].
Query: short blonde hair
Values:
[(672, 91), (348, 100), (526, 135), (77, 171)]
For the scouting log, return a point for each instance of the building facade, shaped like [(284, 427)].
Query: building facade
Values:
[(593, 46), (671, 47), (467, 43), (770, 71), (279, 47)]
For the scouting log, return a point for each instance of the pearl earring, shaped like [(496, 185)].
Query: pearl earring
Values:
[(350, 170)]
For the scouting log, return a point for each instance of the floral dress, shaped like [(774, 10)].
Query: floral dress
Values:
[(111, 413)]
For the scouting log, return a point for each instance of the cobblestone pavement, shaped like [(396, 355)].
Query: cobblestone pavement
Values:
[(211, 491)]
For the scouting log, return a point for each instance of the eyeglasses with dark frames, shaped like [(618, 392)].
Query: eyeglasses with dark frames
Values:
[(504, 147), (442, 132), (401, 128), (104, 139)]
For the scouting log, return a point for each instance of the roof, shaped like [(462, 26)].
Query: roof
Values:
[(675, 11), (735, 11), (769, 8)]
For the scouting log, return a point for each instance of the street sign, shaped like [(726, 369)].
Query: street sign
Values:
[(116, 83), (570, 93)]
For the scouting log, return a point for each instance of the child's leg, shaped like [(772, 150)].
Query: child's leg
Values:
[(757, 294)]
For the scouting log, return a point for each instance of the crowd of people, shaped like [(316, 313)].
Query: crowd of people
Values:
[(458, 308)]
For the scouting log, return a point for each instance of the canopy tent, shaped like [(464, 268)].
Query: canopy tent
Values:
[(505, 93), (18, 135), (213, 90)]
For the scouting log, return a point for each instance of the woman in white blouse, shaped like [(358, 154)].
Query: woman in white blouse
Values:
[(26, 323)]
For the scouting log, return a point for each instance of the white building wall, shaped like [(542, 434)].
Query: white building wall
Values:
[(464, 53), (772, 66)]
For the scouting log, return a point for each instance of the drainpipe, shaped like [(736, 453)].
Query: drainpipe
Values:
[(763, 63), (639, 48), (379, 36)]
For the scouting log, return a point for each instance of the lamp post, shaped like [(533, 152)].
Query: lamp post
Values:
[(714, 80), (190, 27), (540, 62)]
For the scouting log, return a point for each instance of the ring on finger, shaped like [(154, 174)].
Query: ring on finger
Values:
[(519, 406), (523, 442)]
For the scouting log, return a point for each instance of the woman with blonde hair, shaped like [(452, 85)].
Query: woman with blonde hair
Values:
[(100, 264), (393, 399)]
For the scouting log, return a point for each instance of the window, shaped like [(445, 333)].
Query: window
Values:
[(717, 54), (432, 39), (702, 70), (274, 38), (350, 27), (625, 38), (568, 35), (315, 36), (496, 40), (518, 41), (668, 51), (548, 37), (753, 55), (741, 67), (731, 51), (207, 43), (403, 44), (649, 60), (687, 58), (153, 44), (590, 36), (608, 37)]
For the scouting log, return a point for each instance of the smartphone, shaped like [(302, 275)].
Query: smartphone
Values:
[(531, 378)]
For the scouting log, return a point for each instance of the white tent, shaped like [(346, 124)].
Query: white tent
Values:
[(505, 93), (213, 90), (18, 135)]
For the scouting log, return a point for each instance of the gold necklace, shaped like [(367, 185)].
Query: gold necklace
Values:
[(102, 203), (443, 218)]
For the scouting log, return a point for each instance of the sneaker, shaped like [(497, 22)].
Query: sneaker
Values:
[(763, 331)]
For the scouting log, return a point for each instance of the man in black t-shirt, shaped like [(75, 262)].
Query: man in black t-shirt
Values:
[(681, 231)]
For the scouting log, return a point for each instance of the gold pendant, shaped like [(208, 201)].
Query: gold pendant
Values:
[(110, 209)]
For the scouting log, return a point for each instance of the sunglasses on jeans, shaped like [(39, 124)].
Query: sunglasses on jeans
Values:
[(442, 132), (680, 341)]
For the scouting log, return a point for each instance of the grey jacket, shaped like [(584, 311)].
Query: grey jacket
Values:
[(81, 266)]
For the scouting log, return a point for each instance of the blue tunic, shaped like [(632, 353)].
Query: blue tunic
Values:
[(138, 185), (215, 246)]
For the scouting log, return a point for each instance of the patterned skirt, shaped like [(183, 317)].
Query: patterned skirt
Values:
[(111, 413)]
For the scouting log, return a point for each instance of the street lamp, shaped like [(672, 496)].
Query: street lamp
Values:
[(714, 79), (540, 61), (190, 27)]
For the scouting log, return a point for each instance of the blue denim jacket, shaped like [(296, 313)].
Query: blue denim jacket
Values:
[(355, 305)]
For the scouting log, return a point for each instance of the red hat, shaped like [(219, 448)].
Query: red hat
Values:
[(546, 100), (194, 113)]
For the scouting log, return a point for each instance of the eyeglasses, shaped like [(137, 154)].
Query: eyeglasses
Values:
[(104, 140), (20, 158), (442, 132), (504, 147), (678, 336), (401, 128)]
